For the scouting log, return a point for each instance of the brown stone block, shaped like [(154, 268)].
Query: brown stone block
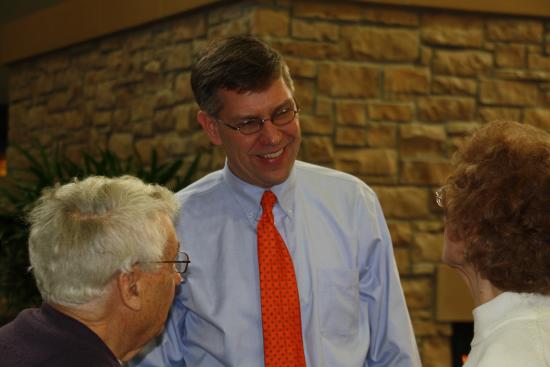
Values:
[(323, 106), (424, 328), (462, 63), (317, 149), (515, 30), (188, 28), (351, 113), (224, 13), (233, 27), (445, 29), (380, 111), (269, 22), (163, 120), (461, 128), (351, 137), (314, 31), (301, 68), (504, 92), (436, 352), (425, 172), (407, 80), (499, 113), (142, 128), (391, 16), (446, 108), (179, 57), (422, 141), (402, 261), (182, 88), (403, 202), (428, 247), (454, 86), (121, 144), (381, 135), (348, 80), (142, 108), (105, 96), (539, 62), (309, 49), (60, 101), (539, 117), (312, 124), (525, 75), (401, 233), (144, 147), (304, 94), (172, 144), (326, 10), (102, 118), (185, 118), (382, 44), (418, 293), (376, 162), (510, 55)]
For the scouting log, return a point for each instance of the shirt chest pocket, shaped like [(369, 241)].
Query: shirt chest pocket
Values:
[(338, 291)]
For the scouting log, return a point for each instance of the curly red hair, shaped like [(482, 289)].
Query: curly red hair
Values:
[(498, 201)]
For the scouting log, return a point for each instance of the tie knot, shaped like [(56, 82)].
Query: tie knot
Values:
[(268, 200)]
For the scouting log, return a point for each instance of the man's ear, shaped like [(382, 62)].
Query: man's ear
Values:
[(210, 127), (130, 288)]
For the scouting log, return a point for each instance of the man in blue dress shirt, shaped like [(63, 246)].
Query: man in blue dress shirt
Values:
[(353, 312)]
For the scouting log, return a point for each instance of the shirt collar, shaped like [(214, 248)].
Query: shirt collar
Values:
[(249, 196)]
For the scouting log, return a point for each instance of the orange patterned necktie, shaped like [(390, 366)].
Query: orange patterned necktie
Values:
[(282, 327)]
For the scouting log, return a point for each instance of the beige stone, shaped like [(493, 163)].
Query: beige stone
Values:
[(269, 22), (182, 88), (304, 94), (428, 247), (381, 135), (391, 16), (446, 108), (402, 260), (171, 144), (499, 113), (401, 233), (317, 149), (461, 128), (185, 119), (309, 49), (102, 118), (381, 44), (379, 162), (539, 62), (423, 268), (424, 172), (179, 57), (188, 28), (142, 108), (462, 63), (503, 92), (233, 27), (301, 68), (350, 137), (121, 145), (315, 31), (424, 327), (142, 128), (312, 124), (530, 76), (418, 292), (539, 117), (351, 113), (454, 86), (421, 141), (163, 120), (380, 111), (445, 29), (510, 55), (436, 352), (403, 202), (517, 30), (348, 80), (327, 10), (407, 80)]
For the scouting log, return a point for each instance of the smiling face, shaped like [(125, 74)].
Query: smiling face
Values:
[(265, 158)]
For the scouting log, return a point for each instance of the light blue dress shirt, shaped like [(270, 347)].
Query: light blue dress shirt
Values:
[(352, 305)]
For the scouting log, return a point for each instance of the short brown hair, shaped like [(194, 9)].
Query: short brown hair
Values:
[(238, 63), (498, 201)]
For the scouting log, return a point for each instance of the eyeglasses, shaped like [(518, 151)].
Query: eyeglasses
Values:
[(179, 265), (439, 196), (252, 125)]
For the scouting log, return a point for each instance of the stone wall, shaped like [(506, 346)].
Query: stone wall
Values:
[(387, 93)]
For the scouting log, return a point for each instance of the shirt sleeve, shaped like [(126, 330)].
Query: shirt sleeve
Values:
[(392, 339), (165, 350)]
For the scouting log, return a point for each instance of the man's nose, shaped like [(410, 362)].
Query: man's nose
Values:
[(270, 134)]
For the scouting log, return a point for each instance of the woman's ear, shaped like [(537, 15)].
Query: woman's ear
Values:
[(210, 127)]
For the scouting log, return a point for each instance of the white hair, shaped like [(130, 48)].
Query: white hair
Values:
[(84, 232)]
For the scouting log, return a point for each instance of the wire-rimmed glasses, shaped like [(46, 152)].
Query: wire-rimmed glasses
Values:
[(252, 125)]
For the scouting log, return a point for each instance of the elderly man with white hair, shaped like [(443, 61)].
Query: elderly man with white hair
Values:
[(106, 261)]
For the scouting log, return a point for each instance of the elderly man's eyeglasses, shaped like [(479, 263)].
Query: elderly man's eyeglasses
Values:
[(179, 265), (252, 125)]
